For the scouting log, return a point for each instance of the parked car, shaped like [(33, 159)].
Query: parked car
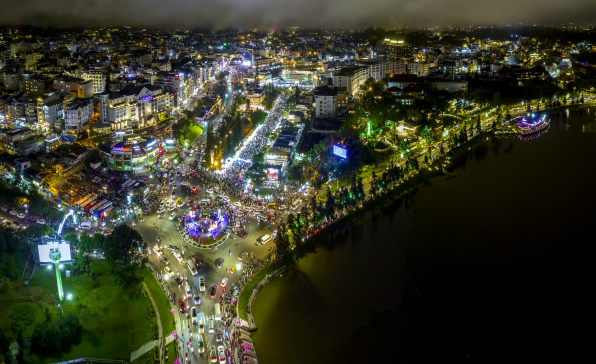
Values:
[(201, 284)]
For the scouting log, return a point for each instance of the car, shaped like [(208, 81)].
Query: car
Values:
[(161, 210), (237, 204), (209, 191), (222, 355), (173, 215), (191, 267), (219, 337), (157, 250), (224, 282), (197, 300), (219, 263), (188, 291), (202, 284), (200, 344), (201, 326), (242, 255), (13, 212), (243, 233), (181, 203), (193, 314), (172, 208), (213, 291), (168, 271), (164, 260), (41, 221), (32, 218), (196, 261), (213, 354), (181, 304), (233, 269), (21, 215), (211, 325), (16, 223), (178, 280), (170, 247)]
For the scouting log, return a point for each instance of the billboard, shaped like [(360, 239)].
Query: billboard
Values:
[(340, 152), (169, 141), (54, 252)]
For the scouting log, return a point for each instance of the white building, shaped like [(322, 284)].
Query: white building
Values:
[(133, 106), (77, 115), (98, 76), (326, 102)]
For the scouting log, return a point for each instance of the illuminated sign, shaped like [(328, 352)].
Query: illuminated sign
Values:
[(150, 144), (146, 98), (121, 149), (54, 252), (169, 141), (340, 152)]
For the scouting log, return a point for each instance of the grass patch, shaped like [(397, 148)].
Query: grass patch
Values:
[(161, 301), (146, 358), (151, 310), (156, 353), (115, 320), (171, 353), (155, 331)]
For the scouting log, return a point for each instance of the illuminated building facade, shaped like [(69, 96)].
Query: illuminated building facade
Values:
[(133, 154)]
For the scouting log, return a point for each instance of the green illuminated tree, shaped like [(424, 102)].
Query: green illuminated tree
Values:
[(426, 134)]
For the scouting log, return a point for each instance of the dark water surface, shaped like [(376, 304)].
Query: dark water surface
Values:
[(491, 265)]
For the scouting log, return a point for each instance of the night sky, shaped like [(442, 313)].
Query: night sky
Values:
[(283, 13)]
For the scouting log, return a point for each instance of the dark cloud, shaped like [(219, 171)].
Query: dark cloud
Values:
[(284, 13)]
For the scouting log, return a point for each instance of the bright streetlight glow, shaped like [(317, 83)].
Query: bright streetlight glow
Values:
[(69, 296)]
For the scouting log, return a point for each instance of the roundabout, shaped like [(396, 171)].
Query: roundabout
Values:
[(203, 227)]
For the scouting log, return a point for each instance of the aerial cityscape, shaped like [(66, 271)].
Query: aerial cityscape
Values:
[(279, 182)]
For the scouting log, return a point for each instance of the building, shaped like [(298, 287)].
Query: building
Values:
[(11, 136), (402, 81), (395, 48), (351, 78), (77, 115), (173, 83), (142, 57), (134, 153), (98, 77), (73, 86), (52, 143), (381, 69), (256, 97), (133, 106), (452, 86), (33, 144), (326, 102), (52, 111), (10, 79)]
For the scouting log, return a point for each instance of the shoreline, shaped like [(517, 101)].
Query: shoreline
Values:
[(248, 295)]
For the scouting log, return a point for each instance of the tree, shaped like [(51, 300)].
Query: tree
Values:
[(123, 252), (258, 158), (63, 149), (403, 147), (56, 337), (247, 105), (72, 239), (81, 264), (426, 134), (256, 173)]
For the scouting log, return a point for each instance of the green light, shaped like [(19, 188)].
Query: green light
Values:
[(59, 282)]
